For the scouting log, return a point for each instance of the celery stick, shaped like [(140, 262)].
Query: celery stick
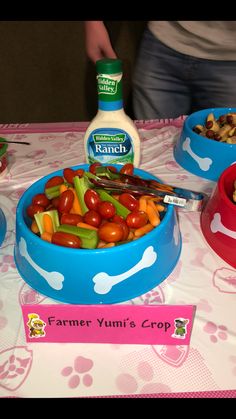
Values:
[(52, 192), (39, 219), (105, 171), (81, 187), (89, 238), (120, 209)]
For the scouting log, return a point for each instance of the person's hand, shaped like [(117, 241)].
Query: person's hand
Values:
[(97, 41)]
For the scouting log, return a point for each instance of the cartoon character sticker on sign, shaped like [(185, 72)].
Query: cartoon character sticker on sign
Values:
[(180, 328), (36, 326)]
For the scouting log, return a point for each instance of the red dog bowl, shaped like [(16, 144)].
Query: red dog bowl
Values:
[(218, 218), (3, 156)]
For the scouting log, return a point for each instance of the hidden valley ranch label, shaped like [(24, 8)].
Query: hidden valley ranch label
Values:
[(108, 145)]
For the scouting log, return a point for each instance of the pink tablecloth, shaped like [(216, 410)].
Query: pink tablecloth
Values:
[(206, 368)]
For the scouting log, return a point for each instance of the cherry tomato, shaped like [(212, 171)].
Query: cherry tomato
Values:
[(40, 199), (66, 239), (127, 169), (112, 169), (79, 172), (92, 199), (66, 201), (119, 220), (92, 167), (136, 219), (71, 219), (106, 209), (69, 174), (129, 201), (55, 201), (54, 181), (110, 232), (34, 209), (93, 218)]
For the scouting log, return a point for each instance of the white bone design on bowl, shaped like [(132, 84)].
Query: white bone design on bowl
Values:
[(176, 235), (217, 226), (54, 279), (203, 162), (104, 282)]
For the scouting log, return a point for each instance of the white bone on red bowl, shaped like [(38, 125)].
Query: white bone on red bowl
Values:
[(94, 276), (202, 156), (218, 218)]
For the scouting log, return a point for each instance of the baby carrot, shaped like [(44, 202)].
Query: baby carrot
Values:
[(47, 224), (76, 207), (34, 227), (151, 203), (101, 243), (46, 236), (111, 244), (131, 235), (88, 226), (142, 203), (153, 198), (153, 215), (62, 188), (141, 231), (160, 207)]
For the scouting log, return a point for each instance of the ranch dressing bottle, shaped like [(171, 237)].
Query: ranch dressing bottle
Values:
[(111, 136)]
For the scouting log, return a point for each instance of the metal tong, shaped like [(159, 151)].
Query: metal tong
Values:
[(5, 141), (118, 183)]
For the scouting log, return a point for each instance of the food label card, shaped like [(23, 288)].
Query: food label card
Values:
[(123, 324)]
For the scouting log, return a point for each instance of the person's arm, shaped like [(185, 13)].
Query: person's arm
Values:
[(97, 41)]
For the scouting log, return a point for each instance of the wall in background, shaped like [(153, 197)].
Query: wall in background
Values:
[(45, 75)]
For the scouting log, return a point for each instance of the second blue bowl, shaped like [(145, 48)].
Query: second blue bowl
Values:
[(200, 155)]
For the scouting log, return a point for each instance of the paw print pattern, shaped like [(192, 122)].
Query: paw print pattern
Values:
[(56, 164), (215, 331), (204, 306), (15, 365), (154, 296), (81, 366), (128, 384), (7, 263), (181, 177)]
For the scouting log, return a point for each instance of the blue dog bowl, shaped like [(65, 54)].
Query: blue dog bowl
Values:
[(97, 276), (200, 155), (3, 226)]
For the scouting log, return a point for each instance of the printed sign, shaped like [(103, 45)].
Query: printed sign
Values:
[(146, 324)]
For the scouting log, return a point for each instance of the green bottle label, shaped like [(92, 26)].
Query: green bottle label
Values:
[(109, 87)]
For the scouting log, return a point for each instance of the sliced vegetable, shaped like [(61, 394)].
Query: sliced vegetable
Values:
[(65, 201), (52, 192), (46, 237), (33, 209), (105, 171), (53, 181), (89, 238), (47, 224), (76, 207), (66, 239), (40, 199), (120, 209), (71, 219), (39, 218), (110, 232), (81, 186)]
